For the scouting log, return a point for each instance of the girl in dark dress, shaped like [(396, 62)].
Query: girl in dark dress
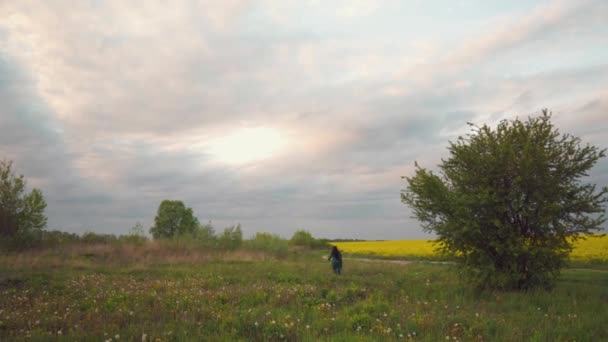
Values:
[(336, 260)]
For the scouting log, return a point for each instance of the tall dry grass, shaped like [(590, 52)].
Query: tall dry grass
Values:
[(81, 255)]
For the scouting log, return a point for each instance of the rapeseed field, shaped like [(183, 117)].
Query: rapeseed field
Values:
[(592, 248)]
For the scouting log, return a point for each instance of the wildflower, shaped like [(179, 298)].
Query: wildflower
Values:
[(400, 335), (59, 332), (256, 324), (117, 337), (307, 326), (273, 322), (143, 337)]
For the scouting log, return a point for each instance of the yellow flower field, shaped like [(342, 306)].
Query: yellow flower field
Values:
[(592, 248)]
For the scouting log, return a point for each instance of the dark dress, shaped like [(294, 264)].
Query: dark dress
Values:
[(336, 261)]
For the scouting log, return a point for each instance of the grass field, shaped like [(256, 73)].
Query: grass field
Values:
[(101, 293), (592, 250)]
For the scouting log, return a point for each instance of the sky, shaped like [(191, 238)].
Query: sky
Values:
[(279, 115)]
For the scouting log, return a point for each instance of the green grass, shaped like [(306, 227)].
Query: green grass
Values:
[(92, 299)]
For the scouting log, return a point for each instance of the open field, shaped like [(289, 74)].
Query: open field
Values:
[(102, 293), (592, 250)]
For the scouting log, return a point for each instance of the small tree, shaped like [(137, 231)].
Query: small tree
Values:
[(232, 237), (137, 230), (22, 216), (509, 202), (304, 238), (136, 234), (205, 235), (173, 219)]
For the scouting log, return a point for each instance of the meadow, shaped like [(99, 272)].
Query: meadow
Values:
[(593, 250), (150, 292)]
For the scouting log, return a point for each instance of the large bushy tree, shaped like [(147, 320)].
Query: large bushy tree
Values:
[(509, 202), (21, 214), (173, 219)]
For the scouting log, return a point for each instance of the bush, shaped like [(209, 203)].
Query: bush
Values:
[(136, 235), (268, 243), (303, 238), (231, 238), (56, 238), (205, 236), (94, 238)]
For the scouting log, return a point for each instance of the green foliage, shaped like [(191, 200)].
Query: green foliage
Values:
[(509, 202), (205, 236), (136, 235), (303, 238), (173, 219), (137, 230), (268, 243), (96, 238), (55, 238), (231, 238), (22, 216)]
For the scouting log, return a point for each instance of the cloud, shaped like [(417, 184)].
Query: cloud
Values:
[(111, 106)]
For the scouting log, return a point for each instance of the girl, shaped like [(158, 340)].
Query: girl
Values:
[(336, 260)]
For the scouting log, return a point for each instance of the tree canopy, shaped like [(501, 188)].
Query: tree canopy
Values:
[(509, 202), (21, 214), (173, 219)]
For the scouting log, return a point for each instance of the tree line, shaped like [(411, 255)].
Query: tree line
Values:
[(507, 205)]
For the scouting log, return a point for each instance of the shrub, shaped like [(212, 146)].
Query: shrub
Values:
[(231, 238), (94, 238), (303, 238), (268, 243)]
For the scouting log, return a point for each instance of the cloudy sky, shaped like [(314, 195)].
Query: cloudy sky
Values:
[(280, 115)]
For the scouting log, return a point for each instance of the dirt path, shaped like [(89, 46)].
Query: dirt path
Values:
[(394, 261), (405, 262), (390, 261)]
